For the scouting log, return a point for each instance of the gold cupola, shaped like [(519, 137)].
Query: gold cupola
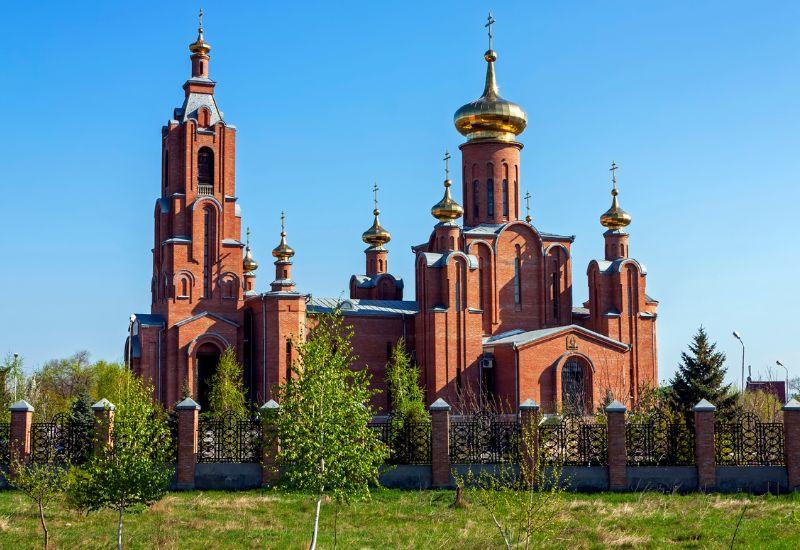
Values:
[(376, 236), (200, 46), (490, 116), (248, 264), (283, 252), (615, 218), (447, 210)]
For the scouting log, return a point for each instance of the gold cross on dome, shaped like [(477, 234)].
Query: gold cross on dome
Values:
[(248, 236), (200, 18), (446, 160), (527, 206), (613, 171), (375, 193), (283, 222), (489, 22)]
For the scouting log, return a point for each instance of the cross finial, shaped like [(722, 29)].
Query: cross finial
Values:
[(613, 171), (489, 22), (248, 237), (527, 206), (375, 193), (446, 160), (283, 224), (200, 19)]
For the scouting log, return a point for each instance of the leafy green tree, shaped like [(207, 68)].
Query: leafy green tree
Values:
[(700, 376), (226, 389), (111, 379), (326, 445), (59, 381), (134, 472), (12, 384), (42, 482), (403, 381)]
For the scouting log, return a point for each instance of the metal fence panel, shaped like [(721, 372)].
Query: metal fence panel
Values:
[(484, 439), (574, 441), (749, 442), (229, 440), (409, 442)]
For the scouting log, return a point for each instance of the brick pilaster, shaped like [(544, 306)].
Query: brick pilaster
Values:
[(529, 432), (269, 431), (19, 441), (440, 443), (103, 425), (188, 415), (791, 442), (617, 452), (704, 444)]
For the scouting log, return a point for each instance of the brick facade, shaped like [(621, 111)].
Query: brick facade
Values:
[(493, 308)]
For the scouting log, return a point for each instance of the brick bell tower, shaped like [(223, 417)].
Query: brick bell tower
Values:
[(197, 285)]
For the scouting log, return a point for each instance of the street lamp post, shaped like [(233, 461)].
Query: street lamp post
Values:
[(736, 335), (787, 378)]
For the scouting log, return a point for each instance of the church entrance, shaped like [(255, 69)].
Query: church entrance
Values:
[(574, 386), (206, 359)]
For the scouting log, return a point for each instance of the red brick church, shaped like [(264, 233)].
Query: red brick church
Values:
[(492, 313)]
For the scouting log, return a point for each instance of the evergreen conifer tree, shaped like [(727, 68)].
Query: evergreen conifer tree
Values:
[(701, 376)]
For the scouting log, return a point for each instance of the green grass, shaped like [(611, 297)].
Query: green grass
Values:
[(411, 519)]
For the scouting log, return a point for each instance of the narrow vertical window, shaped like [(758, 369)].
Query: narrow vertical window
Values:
[(288, 359), (208, 233), (481, 268), (505, 198), (205, 171), (490, 191), (458, 289), (518, 278), (556, 292), (476, 193)]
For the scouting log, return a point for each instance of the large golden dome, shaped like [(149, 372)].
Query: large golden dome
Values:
[(615, 218), (490, 116)]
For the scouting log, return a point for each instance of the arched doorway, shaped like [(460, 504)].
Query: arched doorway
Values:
[(206, 359), (575, 386)]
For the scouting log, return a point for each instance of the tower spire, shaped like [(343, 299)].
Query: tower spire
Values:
[(615, 218), (447, 210), (249, 264), (200, 49), (376, 236)]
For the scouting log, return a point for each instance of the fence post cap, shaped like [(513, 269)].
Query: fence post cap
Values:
[(704, 406), (104, 404), (529, 404), (440, 405), (188, 404), (616, 407), (792, 405), (22, 406), (270, 405)]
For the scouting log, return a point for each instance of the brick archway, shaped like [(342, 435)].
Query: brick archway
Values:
[(586, 369), (204, 353)]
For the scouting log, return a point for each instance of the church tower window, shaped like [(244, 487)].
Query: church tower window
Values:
[(288, 359), (556, 291), (205, 171), (505, 191), (490, 191), (476, 192), (518, 277), (208, 238)]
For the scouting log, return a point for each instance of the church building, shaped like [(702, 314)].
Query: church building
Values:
[(492, 312)]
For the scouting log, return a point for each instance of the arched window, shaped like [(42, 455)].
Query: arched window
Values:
[(556, 292), (205, 167), (518, 277), (203, 115), (184, 287), (481, 268), (208, 250), (573, 387), (288, 359), (380, 265), (476, 192), (505, 190), (230, 286), (490, 191)]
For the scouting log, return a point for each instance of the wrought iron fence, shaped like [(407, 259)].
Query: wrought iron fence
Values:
[(5, 437), (749, 442), (229, 440), (409, 441), (573, 441), (484, 438), (61, 441), (658, 440)]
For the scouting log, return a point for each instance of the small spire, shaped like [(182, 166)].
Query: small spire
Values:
[(375, 198), (376, 235), (528, 206), (249, 264), (447, 210), (283, 251), (615, 218), (446, 165), (199, 46), (489, 22)]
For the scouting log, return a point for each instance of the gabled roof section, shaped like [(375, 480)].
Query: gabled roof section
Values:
[(494, 229), (434, 259), (354, 307), (206, 314), (149, 319), (518, 339), (608, 267), (367, 281), (195, 101)]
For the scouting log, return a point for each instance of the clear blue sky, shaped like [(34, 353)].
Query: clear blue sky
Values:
[(696, 101)]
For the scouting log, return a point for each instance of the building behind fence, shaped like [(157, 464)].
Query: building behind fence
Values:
[(613, 451)]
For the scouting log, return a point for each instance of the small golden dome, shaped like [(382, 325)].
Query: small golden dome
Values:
[(376, 235), (490, 116), (283, 251), (447, 210), (615, 218), (248, 263), (199, 46)]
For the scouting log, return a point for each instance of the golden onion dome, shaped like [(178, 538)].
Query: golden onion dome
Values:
[(376, 235), (283, 251), (615, 218), (249, 264), (447, 210), (199, 46), (490, 116)]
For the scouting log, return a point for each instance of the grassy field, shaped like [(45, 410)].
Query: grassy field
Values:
[(408, 519)]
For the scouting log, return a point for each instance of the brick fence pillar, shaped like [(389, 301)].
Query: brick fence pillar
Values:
[(617, 452), (704, 444), (269, 431), (188, 415), (529, 434), (103, 425), (19, 435), (440, 443), (791, 442)]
